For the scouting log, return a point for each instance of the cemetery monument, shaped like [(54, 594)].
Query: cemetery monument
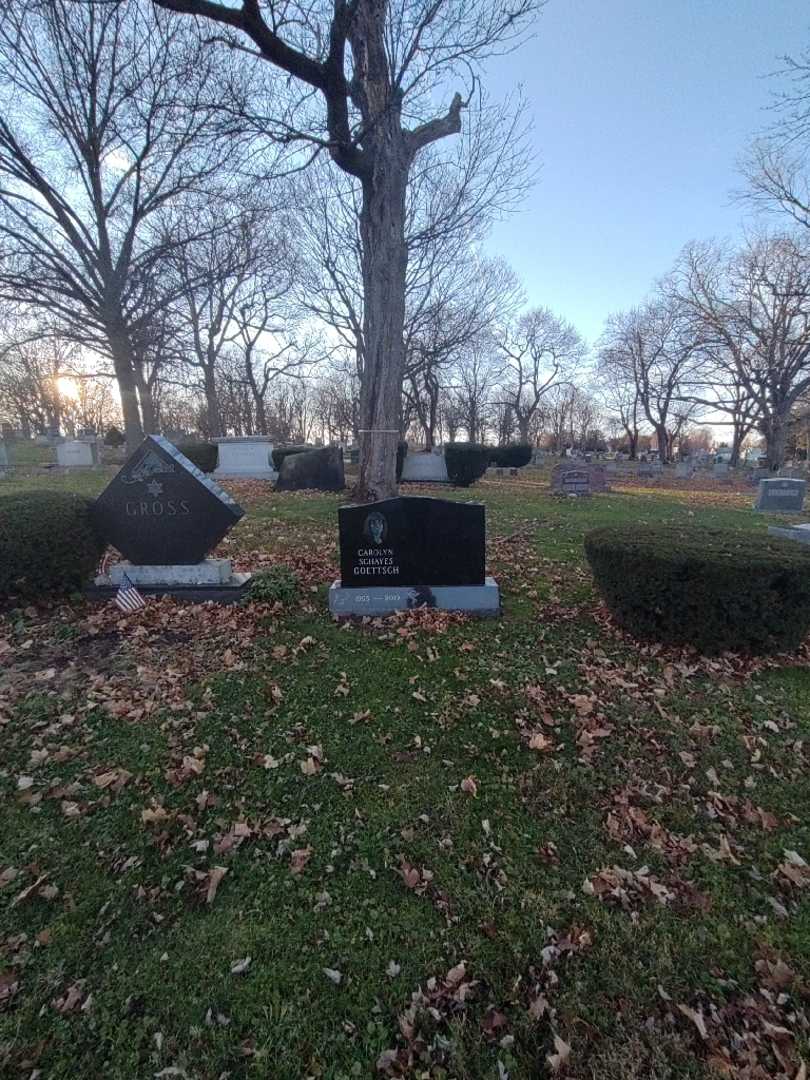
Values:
[(246, 457), (581, 478), (77, 454), (781, 495), (425, 468), (164, 516), (403, 553)]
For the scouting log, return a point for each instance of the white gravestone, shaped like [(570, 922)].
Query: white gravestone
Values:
[(247, 457), (76, 454), (425, 469)]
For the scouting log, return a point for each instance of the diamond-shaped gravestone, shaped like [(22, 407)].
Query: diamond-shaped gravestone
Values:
[(161, 510)]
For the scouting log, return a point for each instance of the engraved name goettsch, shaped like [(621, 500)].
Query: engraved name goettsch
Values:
[(375, 561)]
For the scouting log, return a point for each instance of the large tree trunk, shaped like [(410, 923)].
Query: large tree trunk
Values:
[(213, 418), (384, 259), (775, 431), (662, 438), (124, 369), (148, 411)]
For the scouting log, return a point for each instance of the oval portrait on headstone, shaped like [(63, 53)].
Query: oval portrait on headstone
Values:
[(375, 527)]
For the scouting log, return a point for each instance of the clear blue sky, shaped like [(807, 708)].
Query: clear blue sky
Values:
[(641, 109)]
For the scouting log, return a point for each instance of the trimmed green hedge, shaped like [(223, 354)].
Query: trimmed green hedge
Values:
[(201, 454), (281, 452), (715, 589), (466, 462), (48, 546), (511, 456)]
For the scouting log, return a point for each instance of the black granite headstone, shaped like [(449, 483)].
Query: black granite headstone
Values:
[(321, 469), (412, 541), (160, 510)]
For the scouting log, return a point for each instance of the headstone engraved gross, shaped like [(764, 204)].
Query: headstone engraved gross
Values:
[(781, 495), (404, 552), (164, 515)]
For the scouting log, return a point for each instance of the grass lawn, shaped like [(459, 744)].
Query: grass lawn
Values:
[(247, 841)]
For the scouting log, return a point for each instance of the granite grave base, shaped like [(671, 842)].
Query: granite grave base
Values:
[(799, 533), (211, 579), (378, 600)]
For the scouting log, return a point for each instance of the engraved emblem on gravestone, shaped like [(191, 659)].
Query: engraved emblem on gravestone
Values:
[(160, 510), (149, 465), (375, 528)]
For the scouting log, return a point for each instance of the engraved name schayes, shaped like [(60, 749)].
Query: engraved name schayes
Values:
[(375, 561)]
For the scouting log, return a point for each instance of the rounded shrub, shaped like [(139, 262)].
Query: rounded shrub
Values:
[(715, 589), (277, 584), (114, 438), (280, 452), (48, 545), (201, 454), (511, 456), (465, 462)]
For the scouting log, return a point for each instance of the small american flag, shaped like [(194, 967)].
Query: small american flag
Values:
[(128, 598)]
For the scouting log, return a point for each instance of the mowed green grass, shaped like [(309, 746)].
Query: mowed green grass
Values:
[(392, 801)]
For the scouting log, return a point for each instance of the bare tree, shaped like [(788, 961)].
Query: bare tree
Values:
[(233, 297), (653, 346), (105, 117), (375, 68), (471, 385), (777, 166), (539, 351), (619, 395), (754, 308)]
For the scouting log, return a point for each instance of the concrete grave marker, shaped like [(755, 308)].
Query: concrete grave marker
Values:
[(427, 468), (246, 457), (77, 454)]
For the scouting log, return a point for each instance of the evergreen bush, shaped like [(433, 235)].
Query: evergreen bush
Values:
[(511, 456), (465, 462), (48, 546), (201, 454), (114, 437), (715, 589), (277, 584)]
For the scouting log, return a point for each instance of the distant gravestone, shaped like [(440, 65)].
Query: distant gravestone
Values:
[(425, 468), (164, 515), (5, 463), (781, 495), (320, 469), (720, 470), (247, 457), (578, 478), (684, 470), (77, 454), (405, 552)]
